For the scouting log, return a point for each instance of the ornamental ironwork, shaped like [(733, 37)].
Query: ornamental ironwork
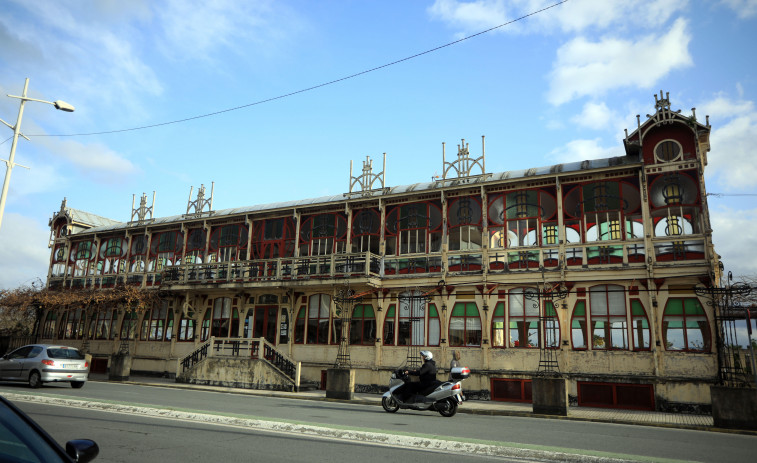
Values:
[(731, 368), (367, 179), (463, 166), (141, 212), (548, 362), (197, 207), (344, 302)]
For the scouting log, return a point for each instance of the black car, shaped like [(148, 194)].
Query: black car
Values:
[(24, 441)]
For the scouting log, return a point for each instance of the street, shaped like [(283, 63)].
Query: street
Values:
[(132, 435)]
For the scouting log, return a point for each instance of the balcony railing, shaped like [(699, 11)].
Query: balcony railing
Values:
[(571, 255)]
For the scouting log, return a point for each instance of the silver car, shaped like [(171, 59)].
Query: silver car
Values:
[(45, 363)]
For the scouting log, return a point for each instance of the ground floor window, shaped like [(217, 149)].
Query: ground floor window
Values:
[(363, 325), (685, 326), (465, 325)]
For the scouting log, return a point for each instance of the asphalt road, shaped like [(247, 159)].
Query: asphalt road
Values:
[(620, 441)]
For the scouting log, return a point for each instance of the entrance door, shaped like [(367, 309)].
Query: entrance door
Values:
[(265, 323)]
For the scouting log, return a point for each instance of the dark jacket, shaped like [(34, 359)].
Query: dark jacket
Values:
[(427, 372)]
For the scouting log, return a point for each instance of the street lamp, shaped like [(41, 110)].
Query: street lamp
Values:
[(61, 105)]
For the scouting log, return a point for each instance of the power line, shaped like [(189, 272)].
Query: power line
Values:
[(719, 195), (331, 82)]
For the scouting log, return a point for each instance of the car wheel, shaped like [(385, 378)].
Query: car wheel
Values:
[(77, 384), (35, 380)]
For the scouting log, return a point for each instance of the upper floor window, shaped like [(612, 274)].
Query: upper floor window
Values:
[(414, 228), (603, 211), (112, 256), (196, 246), (228, 243), (273, 238), (676, 209), (138, 254), (667, 151), (59, 261), (523, 218), (165, 250), (323, 234), (366, 231), (465, 227), (82, 258)]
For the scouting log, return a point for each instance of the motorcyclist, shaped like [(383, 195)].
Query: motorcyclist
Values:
[(426, 374)]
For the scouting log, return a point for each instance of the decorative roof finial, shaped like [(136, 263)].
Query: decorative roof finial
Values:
[(200, 203), (368, 178), (464, 163), (141, 212)]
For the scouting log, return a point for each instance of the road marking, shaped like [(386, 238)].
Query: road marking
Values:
[(368, 436)]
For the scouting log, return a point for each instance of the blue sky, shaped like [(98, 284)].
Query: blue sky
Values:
[(557, 86)]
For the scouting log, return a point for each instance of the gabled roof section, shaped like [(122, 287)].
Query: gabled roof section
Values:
[(664, 115), (82, 219)]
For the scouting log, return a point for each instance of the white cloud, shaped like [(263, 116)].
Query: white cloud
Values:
[(573, 16), (732, 143), (581, 150), (734, 241), (24, 255), (743, 8), (586, 68), (94, 160), (596, 116)]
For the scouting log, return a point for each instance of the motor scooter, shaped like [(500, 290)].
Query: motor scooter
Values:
[(443, 396)]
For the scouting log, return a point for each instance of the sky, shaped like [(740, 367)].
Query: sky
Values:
[(293, 90)]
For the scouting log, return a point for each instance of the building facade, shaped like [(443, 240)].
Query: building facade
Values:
[(584, 269)]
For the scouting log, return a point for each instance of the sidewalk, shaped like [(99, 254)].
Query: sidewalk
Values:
[(481, 407)]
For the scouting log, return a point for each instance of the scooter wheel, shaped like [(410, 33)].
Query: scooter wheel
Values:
[(389, 404), (447, 408)]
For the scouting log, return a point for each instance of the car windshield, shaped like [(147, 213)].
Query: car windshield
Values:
[(63, 353)]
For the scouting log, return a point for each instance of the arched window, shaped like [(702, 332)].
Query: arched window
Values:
[(366, 231), (603, 211), (222, 320), (82, 258), (390, 324), (685, 326), (157, 324), (498, 326), (417, 325), (129, 325), (273, 238), (312, 324), (523, 318), (609, 324), (578, 325), (228, 243), (48, 328), (677, 214), (523, 218), (639, 326), (363, 325), (138, 254), (414, 229), (195, 252), (323, 234), (73, 324), (464, 224), (59, 261), (105, 325), (112, 256), (186, 329), (465, 325), (165, 250)]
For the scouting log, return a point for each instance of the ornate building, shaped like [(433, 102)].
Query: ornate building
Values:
[(584, 269)]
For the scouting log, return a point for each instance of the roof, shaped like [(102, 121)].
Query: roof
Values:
[(416, 187)]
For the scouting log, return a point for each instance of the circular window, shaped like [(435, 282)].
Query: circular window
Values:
[(667, 151)]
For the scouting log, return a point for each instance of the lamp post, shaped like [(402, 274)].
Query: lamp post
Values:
[(61, 105)]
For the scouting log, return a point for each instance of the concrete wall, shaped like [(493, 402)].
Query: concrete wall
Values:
[(235, 372)]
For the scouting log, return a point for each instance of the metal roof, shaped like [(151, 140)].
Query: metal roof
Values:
[(413, 188)]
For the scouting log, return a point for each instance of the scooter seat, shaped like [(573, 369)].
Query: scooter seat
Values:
[(431, 388)]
